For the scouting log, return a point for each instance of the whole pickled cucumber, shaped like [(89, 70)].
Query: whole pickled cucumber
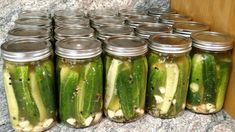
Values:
[(196, 87), (69, 79), (45, 80), (223, 76), (210, 78), (22, 90), (172, 78), (124, 85), (139, 81)]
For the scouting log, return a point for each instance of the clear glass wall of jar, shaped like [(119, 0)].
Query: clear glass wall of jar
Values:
[(126, 78), (168, 77), (211, 65), (80, 80), (28, 73)]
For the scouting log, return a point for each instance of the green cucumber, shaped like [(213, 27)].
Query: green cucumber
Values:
[(45, 80), (223, 76), (196, 87), (172, 77), (210, 78), (23, 93), (110, 88), (68, 86), (125, 89), (11, 99)]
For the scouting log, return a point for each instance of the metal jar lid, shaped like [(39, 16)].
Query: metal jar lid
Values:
[(33, 22), (187, 27), (23, 33), (126, 46), (65, 32), (25, 50), (102, 12), (101, 21), (130, 12), (104, 32), (134, 21), (172, 18), (212, 41), (62, 14), (170, 43), (71, 22), (147, 29), (158, 12), (34, 14), (80, 48)]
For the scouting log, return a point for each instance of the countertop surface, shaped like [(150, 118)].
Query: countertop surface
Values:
[(188, 122)]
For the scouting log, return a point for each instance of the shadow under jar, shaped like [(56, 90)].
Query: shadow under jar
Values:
[(168, 76), (211, 65), (80, 80), (126, 77), (28, 74)]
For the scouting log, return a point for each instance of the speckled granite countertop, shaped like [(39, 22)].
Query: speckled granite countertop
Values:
[(219, 122)]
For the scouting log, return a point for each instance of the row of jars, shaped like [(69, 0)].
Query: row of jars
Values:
[(163, 77)]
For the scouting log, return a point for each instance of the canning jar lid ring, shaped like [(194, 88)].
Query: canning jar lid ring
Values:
[(105, 20), (72, 22), (32, 32), (34, 14), (187, 27), (68, 14), (78, 48), (43, 22), (101, 12), (136, 19), (105, 32), (140, 30), (158, 11), (127, 12), (26, 50), (73, 32), (212, 41), (126, 46), (170, 43), (172, 18)]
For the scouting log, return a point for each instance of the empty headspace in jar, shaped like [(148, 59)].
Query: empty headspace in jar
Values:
[(65, 32), (33, 22), (72, 22), (159, 11), (79, 48), (170, 43), (212, 41), (110, 20), (110, 30), (187, 27), (125, 46), (25, 50), (146, 29), (62, 14), (172, 18), (23, 33), (34, 14)]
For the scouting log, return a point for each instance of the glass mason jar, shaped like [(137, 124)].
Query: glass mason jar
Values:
[(33, 23), (130, 12), (171, 19), (211, 65), (72, 22), (80, 81), (34, 14), (106, 20), (72, 32), (102, 13), (68, 14), (186, 28), (126, 78), (146, 29), (28, 74), (157, 12), (169, 71), (134, 21), (104, 32)]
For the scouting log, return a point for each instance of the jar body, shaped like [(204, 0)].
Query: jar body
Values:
[(30, 94), (126, 79), (209, 80), (80, 91), (167, 84)]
